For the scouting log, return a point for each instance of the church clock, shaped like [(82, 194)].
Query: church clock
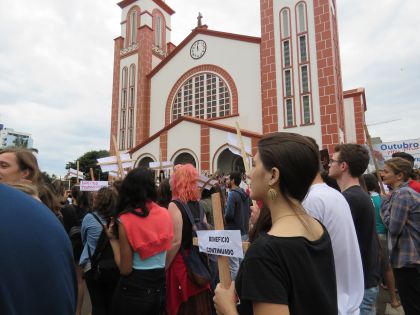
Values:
[(198, 49)]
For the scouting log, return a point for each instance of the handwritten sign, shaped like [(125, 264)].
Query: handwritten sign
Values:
[(86, 185), (221, 243)]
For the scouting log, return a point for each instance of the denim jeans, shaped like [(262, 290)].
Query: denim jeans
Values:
[(368, 306), (141, 292), (234, 262)]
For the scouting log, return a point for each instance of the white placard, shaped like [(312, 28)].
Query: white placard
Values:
[(234, 146), (72, 173), (89, 185), (203, 179), (125, 161), (221, 243), (163, 165)]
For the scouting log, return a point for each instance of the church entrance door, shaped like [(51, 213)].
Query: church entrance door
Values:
[(228, 162), (185, 158)]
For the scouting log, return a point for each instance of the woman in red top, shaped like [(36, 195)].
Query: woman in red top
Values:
[(145, 233), (182, 295)]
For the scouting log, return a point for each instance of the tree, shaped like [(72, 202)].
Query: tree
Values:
[(89, 160)]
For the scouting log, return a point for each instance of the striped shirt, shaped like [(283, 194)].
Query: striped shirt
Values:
[(401, 216)]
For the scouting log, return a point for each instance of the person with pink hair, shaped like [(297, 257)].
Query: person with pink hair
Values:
[(183, 296)]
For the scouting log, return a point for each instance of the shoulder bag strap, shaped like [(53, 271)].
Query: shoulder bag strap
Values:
[(91, 257), (187, 211)]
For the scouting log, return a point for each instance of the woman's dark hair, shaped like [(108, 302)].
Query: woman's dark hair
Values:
[(137, 188), (296, 158), (263, 224), (105, 202), (371, 183), (164, 193), (81, 197), (49, 197)]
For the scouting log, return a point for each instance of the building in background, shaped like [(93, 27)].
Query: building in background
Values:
[(12, 138), (180, 103)]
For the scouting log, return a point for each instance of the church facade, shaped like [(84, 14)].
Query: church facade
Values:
[(181, 103)]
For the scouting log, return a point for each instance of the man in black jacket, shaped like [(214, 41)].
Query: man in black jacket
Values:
[(237, 214)]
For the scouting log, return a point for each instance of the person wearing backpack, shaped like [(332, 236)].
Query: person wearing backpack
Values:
[(145, 232), (183, 295), (72, 220), (97, 250), (237, 213)]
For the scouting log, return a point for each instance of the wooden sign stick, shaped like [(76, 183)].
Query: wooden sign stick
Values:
[(77, 175), (222, 261), (244, 156), (92, 177), (117, 154), (375, 162)]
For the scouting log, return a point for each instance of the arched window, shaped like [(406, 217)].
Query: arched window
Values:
[(131, 105), (132, 23), (205, 95), (123, 110), (287, 68), (304, 64), (159, 27)]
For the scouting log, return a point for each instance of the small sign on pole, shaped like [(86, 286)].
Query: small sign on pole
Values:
[(221, 242), (90, 185)]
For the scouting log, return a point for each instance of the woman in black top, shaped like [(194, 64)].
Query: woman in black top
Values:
[(289, 268)]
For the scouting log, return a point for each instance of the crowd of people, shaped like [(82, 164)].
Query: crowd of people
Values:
[(321, 241)]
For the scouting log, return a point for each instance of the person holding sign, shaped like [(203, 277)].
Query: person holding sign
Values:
[(290, 268), (183, 295)]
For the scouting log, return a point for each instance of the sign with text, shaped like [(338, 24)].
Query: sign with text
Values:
[(86, 185), (383, 151), (221, 243)]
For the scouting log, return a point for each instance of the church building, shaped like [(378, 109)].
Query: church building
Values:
[(180, 103)]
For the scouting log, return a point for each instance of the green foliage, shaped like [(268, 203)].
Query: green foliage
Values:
[(89, 160)]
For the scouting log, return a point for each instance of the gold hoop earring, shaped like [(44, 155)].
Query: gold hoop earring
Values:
[(272, 193)]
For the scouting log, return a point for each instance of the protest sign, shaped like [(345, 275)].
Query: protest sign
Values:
[(383, 151), (221, 242), (86, 185)]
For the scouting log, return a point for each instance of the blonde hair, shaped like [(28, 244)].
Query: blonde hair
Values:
[(28, 189), (400, 165)]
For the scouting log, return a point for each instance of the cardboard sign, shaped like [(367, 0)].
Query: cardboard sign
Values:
[(86, 185), (221, 243), (109, 164), (72, 173)]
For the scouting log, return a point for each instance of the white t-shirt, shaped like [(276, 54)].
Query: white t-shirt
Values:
[(329, 206)]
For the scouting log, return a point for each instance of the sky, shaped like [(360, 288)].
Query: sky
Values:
[(56, 61)]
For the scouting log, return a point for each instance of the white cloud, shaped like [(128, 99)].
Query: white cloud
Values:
[(56, 60)]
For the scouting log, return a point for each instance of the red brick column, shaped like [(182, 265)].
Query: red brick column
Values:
[(163, 141), (170, 47), (329, 74), (359, 119), (144, 66), (268, 69), (118, 45), (205, 147), (254, 144)]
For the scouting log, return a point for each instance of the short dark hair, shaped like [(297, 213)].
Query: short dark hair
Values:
[(105, 201), (371, 183), (236, 177), (405, 156), (355, 155)]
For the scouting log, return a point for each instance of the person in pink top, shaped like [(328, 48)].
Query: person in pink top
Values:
[(145, 233)]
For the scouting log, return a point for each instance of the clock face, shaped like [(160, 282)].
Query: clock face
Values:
[(198, 49)]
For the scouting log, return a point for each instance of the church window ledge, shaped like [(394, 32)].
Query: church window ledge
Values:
[(159, 51), (129, 49)]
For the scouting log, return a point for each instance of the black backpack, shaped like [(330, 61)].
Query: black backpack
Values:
[(75, 232), (198, 267), (103, 265)]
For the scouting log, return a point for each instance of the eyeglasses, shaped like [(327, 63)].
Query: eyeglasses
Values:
[(332, 161)]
